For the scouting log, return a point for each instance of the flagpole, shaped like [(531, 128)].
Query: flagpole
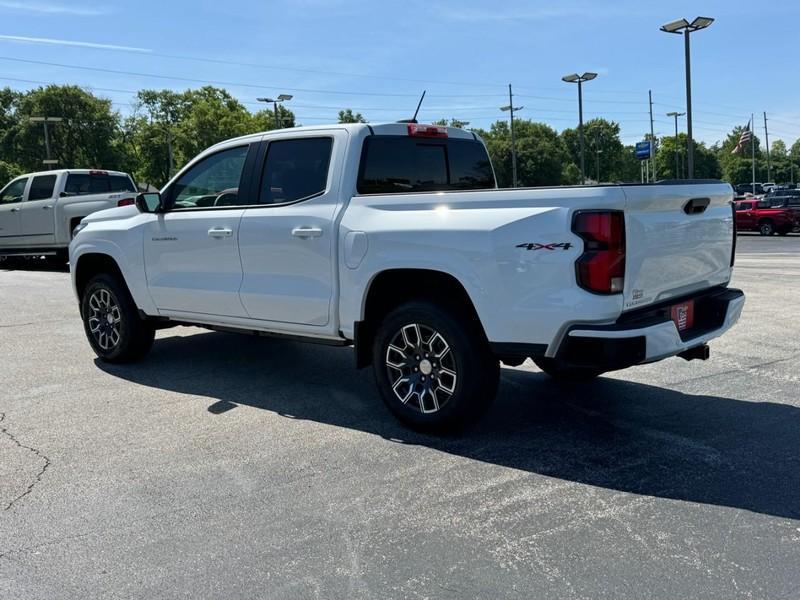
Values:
[(753, 151)]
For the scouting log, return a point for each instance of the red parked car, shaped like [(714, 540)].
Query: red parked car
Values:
[(758, 215)]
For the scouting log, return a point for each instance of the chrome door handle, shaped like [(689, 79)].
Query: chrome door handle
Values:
[(306, 232), (47, 207), (15, 209), (220, 232)]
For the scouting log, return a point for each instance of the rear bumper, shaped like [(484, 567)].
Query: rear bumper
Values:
[(649, 335)]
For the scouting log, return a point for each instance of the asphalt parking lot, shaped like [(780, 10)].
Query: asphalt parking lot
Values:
[(227, 466)]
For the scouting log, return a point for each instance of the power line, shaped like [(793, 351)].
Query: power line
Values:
[(235, 83)]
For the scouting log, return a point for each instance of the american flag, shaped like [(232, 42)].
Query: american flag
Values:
[(746, 136)]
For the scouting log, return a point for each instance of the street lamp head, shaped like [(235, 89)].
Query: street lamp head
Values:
[(285, 97), (675, 26), (701, 23), (265, 99), (506, 108), (683, 25), (675, 114), (573, 78), (588, 76)]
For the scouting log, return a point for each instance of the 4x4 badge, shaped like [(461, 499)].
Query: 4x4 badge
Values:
[(537, 246)]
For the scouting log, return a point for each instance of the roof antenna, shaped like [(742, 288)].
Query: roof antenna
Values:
[(416, 112)]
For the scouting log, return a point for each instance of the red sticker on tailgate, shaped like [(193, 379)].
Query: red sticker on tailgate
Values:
[(683, 315)]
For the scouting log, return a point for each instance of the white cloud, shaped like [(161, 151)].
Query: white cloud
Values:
[(54, 42), (48, 8)]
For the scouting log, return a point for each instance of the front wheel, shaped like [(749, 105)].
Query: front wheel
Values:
[(433, 367), (112, 324), (766, 228), (563, 372)]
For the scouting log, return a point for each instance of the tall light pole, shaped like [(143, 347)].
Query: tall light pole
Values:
[(511, 109), (676, 115), (282, 98), (44, 121), (579, 79), (682, 26)]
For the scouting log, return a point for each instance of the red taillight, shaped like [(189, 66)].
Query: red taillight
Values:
[(601, 267), (428, 131), (126, 202)]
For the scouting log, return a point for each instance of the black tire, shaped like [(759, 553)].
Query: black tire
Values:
[(129, 338), (766, 228), (446, 389), (562, 372)]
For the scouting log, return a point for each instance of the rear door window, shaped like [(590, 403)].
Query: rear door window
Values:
[(42, 187), (295, 170), (397, 164)]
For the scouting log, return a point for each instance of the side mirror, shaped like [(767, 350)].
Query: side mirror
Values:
[(149, 203)]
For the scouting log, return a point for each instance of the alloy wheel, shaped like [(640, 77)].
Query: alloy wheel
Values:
[(104, 319), (421, 368)]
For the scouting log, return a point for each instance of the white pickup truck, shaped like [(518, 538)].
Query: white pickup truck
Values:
[(39, 211), (394, 239)]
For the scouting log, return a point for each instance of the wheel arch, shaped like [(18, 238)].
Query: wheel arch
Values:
[(95, 263), (392, 287)]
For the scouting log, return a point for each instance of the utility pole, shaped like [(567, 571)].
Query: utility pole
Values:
[(510, 109), (766, 142), (44, 121), (753, 149), (676, 115), (652, 135)]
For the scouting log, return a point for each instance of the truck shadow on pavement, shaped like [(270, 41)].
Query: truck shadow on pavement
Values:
[(614, 434), (32, 264)]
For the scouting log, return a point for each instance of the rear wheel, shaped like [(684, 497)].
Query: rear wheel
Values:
[(563, 372), (112, 324), (433, 367), (766, 228)]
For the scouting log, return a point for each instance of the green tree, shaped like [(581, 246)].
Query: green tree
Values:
[(7, 172), (182, 124), (541, 154), (706, 160), (86, 137), (603, 148), (781, 163), (347, 116)]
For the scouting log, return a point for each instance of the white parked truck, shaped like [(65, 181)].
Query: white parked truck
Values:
[(39, 211), (395, 239)]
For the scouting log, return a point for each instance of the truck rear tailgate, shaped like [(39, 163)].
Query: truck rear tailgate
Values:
[(679, 239)]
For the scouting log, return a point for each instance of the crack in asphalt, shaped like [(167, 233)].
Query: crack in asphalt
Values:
[(37, 452), (7, 325)]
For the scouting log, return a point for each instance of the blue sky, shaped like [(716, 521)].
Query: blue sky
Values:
[(378, 55)]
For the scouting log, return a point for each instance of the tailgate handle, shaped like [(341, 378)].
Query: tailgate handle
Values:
[(695, 206)]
